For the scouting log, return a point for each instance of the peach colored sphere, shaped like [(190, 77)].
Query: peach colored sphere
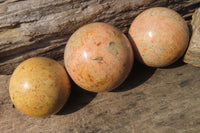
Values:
[(159, 36), (39, 87), (98, 57)]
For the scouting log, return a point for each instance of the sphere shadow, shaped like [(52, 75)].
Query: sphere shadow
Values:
[(77, 100), (139, 74)]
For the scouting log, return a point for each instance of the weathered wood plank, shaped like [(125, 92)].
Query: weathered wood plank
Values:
[(150, 101), (41, 28)]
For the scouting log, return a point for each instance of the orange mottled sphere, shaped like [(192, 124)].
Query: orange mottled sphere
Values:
[(98, 57), (39, 87), (159, 36)]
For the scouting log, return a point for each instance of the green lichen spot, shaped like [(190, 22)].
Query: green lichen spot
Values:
[(113, 47)]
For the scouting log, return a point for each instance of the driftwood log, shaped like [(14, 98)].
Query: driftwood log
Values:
[(42, 27)]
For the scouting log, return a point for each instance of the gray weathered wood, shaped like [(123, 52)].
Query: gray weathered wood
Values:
[(150, 101), (42, 27), (192, 55)]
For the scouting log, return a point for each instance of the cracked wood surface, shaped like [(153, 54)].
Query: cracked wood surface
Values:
[(42, 27)]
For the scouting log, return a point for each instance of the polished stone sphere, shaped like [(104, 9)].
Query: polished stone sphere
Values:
[(159, 36), (98, 57), (39, 87)]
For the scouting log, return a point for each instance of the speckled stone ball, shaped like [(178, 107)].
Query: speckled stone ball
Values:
[(98, 57), (159, 36), (39, 87)]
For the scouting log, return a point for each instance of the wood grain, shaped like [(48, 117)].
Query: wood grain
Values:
[(41, 28), (150, 101)]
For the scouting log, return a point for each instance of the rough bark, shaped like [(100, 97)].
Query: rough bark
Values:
[(192, 55), (41, 28)]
